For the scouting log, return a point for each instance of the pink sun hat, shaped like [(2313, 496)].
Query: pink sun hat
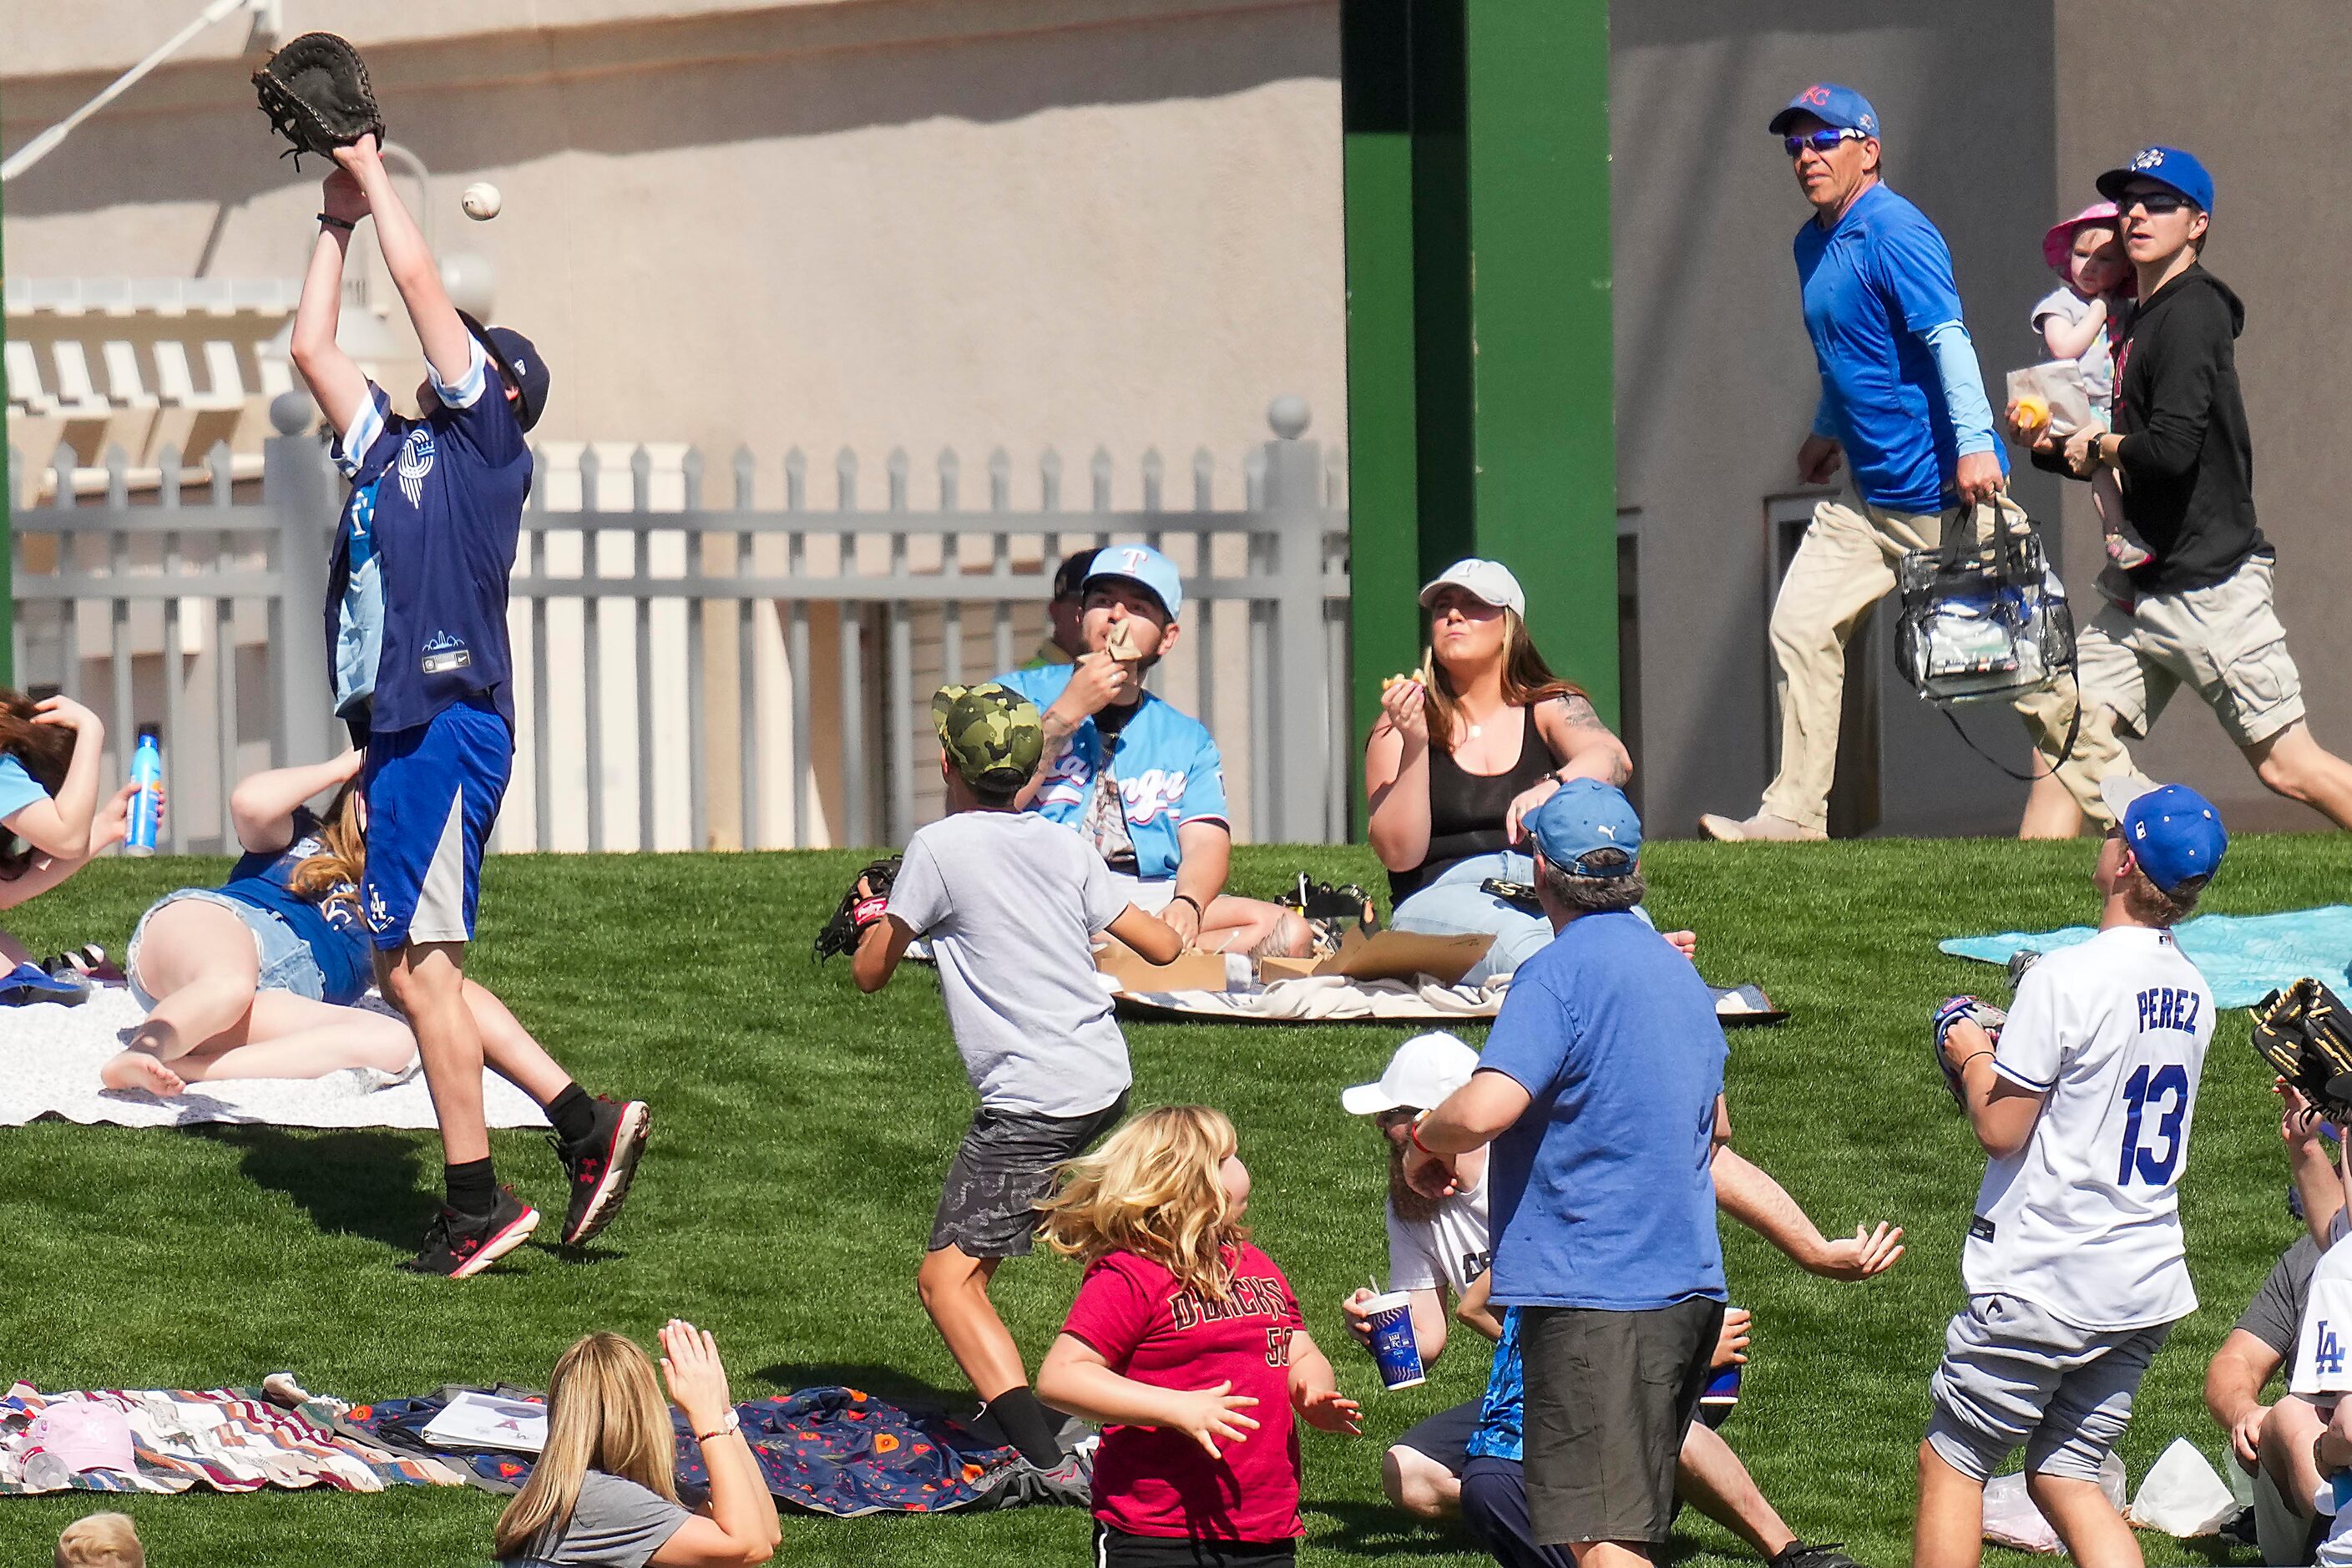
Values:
[(2060, 241), (85, 1435)]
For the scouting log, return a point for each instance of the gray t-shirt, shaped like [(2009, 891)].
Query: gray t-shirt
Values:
[(2275, 1314), (1011, 903), (616, 1523), (2096, 362)]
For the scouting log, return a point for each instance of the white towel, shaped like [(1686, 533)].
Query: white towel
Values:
[(49, 1057)]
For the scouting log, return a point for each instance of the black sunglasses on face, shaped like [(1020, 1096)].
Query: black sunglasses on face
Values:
[(1822, 141), (2156, 204)]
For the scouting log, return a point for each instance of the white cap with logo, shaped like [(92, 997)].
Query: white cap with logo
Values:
[(1490, 581), (1424, 1070)]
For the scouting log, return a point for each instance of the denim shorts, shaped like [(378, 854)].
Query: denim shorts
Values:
[(285, 957)]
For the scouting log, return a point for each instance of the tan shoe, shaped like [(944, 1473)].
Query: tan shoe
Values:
[(1762, 827)]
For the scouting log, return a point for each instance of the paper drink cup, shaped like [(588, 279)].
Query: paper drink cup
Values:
[(1395, 1348)]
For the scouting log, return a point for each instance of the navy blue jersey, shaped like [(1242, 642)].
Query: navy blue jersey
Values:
[(329, 927), (439, 500)]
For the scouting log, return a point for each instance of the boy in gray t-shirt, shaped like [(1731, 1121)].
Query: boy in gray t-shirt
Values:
[(1010, 904)]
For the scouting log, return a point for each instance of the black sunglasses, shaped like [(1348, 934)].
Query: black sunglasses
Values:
[(1820, 140), (2156, 202)]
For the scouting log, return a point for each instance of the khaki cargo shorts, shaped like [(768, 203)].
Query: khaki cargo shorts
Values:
[(2224, 641)]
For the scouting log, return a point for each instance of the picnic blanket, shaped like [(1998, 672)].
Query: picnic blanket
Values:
[(1329, 999), (2242, 957), (228, 1439), (832, 1450), (49, 1057)]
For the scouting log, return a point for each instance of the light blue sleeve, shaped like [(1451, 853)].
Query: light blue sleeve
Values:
[(19, 789), (1204, 784), (1964, 392)]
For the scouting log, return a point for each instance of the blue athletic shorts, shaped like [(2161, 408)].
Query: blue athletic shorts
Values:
[(432, 795)]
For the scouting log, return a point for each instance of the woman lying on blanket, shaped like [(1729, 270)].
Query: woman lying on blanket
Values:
[(51, 825), (1463, 748)]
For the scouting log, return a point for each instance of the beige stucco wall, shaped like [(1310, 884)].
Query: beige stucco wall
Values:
[(833, 222)]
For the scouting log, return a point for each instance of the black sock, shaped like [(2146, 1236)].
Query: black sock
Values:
[(473, 1189), (1027, 1426), (572, 1114)]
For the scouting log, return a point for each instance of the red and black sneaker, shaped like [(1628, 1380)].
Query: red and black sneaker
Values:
[(602, 1165), (460, 1246)]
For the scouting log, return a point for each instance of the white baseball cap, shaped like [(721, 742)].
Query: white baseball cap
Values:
[(1489, 581), (1424, 1070)]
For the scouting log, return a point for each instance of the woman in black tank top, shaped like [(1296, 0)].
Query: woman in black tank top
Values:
[(1481, 736)]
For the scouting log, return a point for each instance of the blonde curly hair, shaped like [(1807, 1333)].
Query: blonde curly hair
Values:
[(1155, 1189)]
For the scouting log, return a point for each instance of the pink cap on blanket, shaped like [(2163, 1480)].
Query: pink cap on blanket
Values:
[(85, 1435)]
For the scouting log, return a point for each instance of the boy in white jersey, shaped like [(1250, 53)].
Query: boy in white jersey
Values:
[(2074, 1263), (2323, 1375)]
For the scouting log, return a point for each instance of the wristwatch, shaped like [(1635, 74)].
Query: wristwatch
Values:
[(727, 1428)]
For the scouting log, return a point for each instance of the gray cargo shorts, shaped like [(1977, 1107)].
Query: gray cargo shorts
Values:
[(2015, 1376)]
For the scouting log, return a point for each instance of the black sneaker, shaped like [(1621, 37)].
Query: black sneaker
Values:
[(1798, 1555), (460, 1246), (1069, 1484), (602, 1165)]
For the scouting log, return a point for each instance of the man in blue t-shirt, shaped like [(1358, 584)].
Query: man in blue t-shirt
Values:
[(1134, 777), (416, 634), (1903, 408), (1602, 1090)]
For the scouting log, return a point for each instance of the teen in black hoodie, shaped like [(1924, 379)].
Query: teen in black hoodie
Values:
[(2200, 612)]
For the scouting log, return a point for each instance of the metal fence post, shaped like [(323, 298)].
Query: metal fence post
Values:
[(298, 485), (1300, 685)]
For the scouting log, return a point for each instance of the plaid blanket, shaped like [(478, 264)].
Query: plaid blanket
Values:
[(230, 1440)]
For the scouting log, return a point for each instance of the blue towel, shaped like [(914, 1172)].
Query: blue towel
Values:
[(2242, 957)]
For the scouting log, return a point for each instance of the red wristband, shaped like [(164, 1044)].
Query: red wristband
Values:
[(1412, 1136)]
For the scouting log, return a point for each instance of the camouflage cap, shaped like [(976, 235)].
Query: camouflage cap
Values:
[(992, 733)]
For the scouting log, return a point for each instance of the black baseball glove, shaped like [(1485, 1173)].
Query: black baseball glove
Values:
[(2302, 1033), (316, 93), (860, 907)]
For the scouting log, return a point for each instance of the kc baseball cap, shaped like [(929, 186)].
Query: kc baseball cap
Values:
[(2166, 167), (1490, 581), (1582, 817), (1832, 105), (2171, 830), (992, 733), (1145, 567), (520, 363), (84, 1435), (1424, 1070)]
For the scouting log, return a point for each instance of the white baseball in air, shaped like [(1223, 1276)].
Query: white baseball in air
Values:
[(481, 201)]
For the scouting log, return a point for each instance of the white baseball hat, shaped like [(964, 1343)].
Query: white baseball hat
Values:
[(1424, 1070), (1489, 581)]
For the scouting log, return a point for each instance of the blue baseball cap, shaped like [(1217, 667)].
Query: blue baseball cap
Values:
[(1145, 567), (2166, 167), (520, 363), (1832, 105), (2171, 830), (1582, 817)]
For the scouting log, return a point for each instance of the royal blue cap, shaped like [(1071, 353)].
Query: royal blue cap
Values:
[(1582, 817), (2173, 832), (2166, 167), (1146, 567), (1832, 105), (520, 363)]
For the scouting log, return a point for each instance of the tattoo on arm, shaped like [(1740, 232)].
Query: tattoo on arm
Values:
[(1581, 716)]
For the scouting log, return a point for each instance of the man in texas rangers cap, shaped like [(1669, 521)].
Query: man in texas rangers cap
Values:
[(1011, 903), (2074, 1267), (416, 634), (1903, 409), (2201, 611), (1139, 780)]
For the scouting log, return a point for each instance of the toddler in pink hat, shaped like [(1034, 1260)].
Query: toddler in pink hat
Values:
[(2082, 320)]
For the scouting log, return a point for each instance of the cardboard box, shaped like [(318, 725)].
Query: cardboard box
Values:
[(1389, 955), (1191, 971)]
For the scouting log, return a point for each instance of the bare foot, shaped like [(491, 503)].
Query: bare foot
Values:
[(137, 1070)]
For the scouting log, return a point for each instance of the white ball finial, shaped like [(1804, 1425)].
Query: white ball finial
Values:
[(290, 412), (1289, 415)]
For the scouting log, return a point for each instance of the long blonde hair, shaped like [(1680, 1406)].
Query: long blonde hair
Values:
[(604, 1411), (1154, 1189), (335, 871), (1527, 680)]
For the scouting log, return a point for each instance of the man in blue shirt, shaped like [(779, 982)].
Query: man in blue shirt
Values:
[(1903, 408), (1602, 1090), (1136, 778), (416, 633)]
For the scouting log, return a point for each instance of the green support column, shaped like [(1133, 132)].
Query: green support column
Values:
[(1480, 384)]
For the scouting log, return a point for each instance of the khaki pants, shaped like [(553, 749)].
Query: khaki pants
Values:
[(1846, 564)]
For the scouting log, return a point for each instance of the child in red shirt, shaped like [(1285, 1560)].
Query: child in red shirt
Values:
[(1180, 1329)]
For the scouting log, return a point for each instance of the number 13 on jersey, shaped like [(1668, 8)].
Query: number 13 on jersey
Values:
[(2153, 1153)]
